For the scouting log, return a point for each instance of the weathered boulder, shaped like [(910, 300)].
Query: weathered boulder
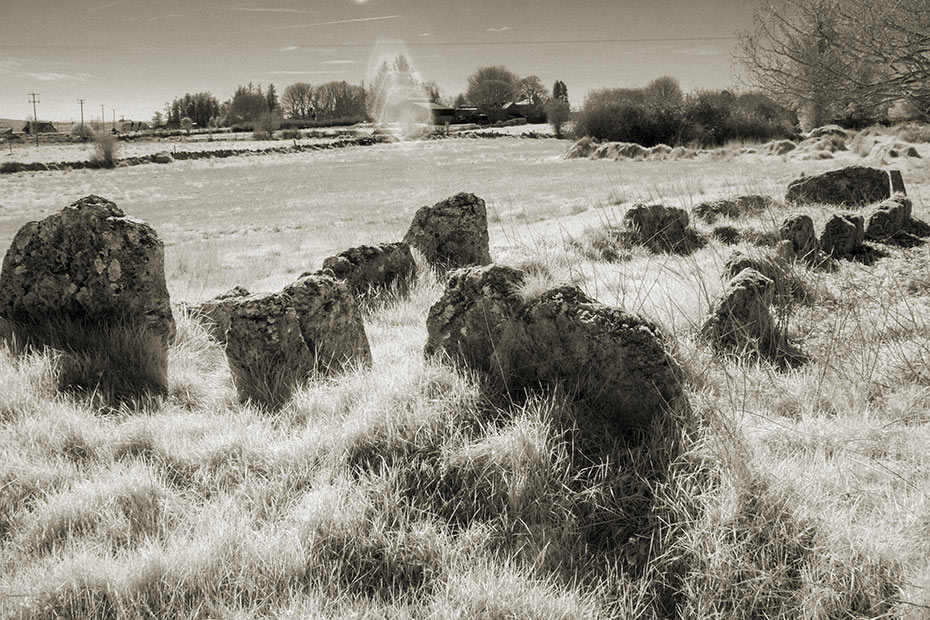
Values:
[(842, 235), (888, 219), (162, 157), (778, 147), (215, 313), (267, 354), (89, 263), (582, 149), (828, 130), (614, 364), (370, 268), (740, 206), (851, 186), (330, 322), (452, 233), (740, 319), (660, 228), (275, 341), (799, 230)]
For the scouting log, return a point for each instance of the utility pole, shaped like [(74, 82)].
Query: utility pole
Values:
[(33, 98), (114, 119), (81, 101), (103, 120)]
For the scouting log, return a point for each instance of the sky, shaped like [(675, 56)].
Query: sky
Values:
[(132, 56)]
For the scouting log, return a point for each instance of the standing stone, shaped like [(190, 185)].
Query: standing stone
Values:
[(471, 321), (852, 186), (452, 233), (88, 263), (613, 364), (897, 183), (368, 268), (888, 219), (267, 354), (90, 282), (330, 322), (658, 227), (799, 230), (275, 341), (215, 313), (842, 235), (740, 319)]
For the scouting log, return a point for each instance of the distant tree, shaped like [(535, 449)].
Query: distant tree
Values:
[(432, 91), (296, 100), (271, 98), (532, 89), (392, 86), (557, 113), (187, 124), (339, 100), (560, 91), (460, 101), (247, 105), (158, 119), (199, 107), (492, 86)]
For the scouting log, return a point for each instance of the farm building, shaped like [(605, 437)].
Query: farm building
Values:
[(126, 126), (40, 127)]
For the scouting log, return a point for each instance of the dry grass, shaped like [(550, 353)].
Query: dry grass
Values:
[(402, 492)]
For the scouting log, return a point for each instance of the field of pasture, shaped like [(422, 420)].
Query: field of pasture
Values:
[(401, 491)]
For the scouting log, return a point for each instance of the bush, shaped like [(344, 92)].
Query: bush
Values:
[(84, 133), (105, 148), (557, 113)]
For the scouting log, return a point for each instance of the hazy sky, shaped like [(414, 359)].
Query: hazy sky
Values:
[(134, 55)]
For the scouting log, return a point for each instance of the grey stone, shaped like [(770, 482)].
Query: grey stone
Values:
[(851, 186), (842, 235), (740, 318), (368, 268), (615, 365), (660, 228), (799, 230), (452, 233), (215, 313), (88, 263), (888, 219)]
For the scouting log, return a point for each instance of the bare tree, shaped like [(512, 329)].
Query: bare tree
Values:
[(533, 90), (296, 100)]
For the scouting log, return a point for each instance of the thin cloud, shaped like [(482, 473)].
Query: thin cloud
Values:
[(108, 5), (501, 29), (341, 21), (425, 34), (303, 72), (256, 9), (339, 62), (50, 76), (699, 51)]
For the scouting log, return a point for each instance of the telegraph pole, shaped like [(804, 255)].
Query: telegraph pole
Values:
[(103, 120), (33, 98), (114, 119), (81, 101)]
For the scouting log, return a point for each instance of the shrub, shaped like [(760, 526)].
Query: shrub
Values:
[(105, 148), (557, 113), (266, 125), (84, 133)]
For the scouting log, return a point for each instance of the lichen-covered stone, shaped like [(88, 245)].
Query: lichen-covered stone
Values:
[(852, 186), (88, 263), (660, 228), (740, 318), (888, 219), (740, 206), (372, 268), (799, 230), (615, 365), (330, 322), (842, 235), (215, 313), (452, 233)]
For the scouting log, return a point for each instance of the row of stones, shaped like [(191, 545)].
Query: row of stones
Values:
[(166, 158)]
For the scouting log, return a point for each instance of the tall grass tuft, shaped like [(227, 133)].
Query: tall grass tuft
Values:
[(105, 150)]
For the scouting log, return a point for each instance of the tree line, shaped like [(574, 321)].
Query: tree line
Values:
[(393, 85)]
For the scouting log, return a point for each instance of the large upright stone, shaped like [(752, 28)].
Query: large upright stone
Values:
[(330, 322), (740, 319), (372, 268), (660, 228), (615, 365), (852, 186), (88, 263), (215, 313), (799, 230), (452, 233), (888, 218), (275, 341), (842, 235)]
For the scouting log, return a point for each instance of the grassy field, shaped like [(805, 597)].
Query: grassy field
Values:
[(403, 491)]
